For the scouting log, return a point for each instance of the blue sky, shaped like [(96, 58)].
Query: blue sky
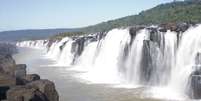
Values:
[(35, 14)]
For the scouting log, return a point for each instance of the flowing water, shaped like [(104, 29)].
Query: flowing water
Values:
[(71, 88), (117, 66)]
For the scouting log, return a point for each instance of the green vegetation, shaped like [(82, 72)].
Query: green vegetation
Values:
[(188, 11), (65, 34), (175, 12)]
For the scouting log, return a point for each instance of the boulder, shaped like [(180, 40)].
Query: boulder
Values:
[(7, 64), (32, 77), (25, 93), (20, 70), (27, 79), (47, 88), (7, 80)]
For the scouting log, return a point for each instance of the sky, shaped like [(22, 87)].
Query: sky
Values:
[(43, 14)]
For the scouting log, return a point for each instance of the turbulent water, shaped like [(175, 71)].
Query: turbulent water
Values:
[(160, 61)]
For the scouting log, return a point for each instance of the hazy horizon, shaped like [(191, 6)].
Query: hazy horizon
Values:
[(51, 14)]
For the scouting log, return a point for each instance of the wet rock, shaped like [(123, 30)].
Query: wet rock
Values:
[(47, 88), (198, 59), (77, 48), (25, 93), (195, 85), (50, 43), (146, 63), (177, 27), (155, 36), (133, 31), (62, 46), (101, 35), (195, 79)]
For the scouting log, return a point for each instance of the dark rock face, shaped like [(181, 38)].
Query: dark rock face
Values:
[(133, 31), (155, 36), (3, 91), (198, 59), (195, 85), (195, 79), (177, 27), (146, 63)]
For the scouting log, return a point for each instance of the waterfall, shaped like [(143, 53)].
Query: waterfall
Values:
[(132, 67), (188, 48), (33, 44), (56, 48), (148, 57), (104, 57), (66, 57)]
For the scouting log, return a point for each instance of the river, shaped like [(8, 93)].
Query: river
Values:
[(71, 88)]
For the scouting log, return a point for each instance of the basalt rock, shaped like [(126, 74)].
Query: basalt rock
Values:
[(25, 93), (198, 59), (20, 70), (155, 36), (6, 81), (146, 63), (27, 79), (133, 31), (32, 77), (195, 79), (47, 88), (177, 27), (16, 85), (195, 85), (7, 64)]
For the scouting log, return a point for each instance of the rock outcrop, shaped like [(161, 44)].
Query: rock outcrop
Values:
[(17, 85), (39, 90), (47, 88), (195, 79)]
